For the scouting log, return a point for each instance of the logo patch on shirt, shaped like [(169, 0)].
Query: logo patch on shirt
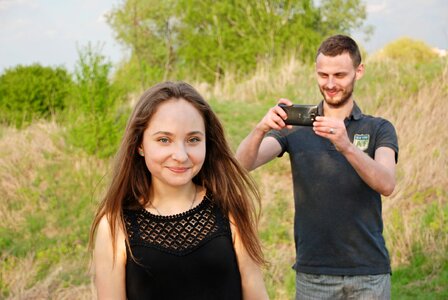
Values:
[(361, 141)]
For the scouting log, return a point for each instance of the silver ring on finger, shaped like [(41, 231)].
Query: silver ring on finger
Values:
[(331, 131)]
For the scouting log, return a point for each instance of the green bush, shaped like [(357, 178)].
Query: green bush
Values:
[(28, 92), (408, 50), (95, 124)]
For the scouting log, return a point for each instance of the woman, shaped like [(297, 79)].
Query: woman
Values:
[(178, 221)]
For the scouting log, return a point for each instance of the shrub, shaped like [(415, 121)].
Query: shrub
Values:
[(408, 50), (28, 92), (94, 122)]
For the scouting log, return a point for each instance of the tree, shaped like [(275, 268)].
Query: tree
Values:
[(204, 39), (148, 29), (235, 35), (342, 16)]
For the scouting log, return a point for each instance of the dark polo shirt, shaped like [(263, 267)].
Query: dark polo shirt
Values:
[(338, 221)]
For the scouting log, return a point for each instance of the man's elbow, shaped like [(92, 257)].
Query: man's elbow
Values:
[(243, 162), (388, 189)]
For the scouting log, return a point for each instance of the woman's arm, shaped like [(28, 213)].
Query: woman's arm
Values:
[(251, 274), (109, 274)]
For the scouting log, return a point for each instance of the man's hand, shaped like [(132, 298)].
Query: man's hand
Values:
[(378, 173), (334, 130), (274, 118)]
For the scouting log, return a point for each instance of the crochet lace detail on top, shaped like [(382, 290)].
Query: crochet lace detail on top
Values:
[(177, 234)]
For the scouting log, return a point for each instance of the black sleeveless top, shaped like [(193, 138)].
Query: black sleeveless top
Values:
[(184, 256)]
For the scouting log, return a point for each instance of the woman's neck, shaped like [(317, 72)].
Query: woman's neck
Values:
[(168, 200)]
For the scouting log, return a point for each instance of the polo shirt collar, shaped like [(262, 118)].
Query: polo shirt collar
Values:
[(356, 113)]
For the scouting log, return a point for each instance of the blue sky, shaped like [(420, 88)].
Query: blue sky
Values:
[(49, 32)]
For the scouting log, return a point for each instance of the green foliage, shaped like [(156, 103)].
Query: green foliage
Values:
[(342, 16), (177, 39), (408, 50), (95, 124), (148, 29), (28, 92), (234, 36), (422, 279)]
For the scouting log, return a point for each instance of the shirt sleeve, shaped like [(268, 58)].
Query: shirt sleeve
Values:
[(280, 136), (387, 137)]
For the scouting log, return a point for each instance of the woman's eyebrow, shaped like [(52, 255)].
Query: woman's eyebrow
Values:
[(171, 134)]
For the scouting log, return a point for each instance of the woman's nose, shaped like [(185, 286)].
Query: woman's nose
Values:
[(180, 153)]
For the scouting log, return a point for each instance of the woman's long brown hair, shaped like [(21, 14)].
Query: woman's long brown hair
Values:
[(233, 190)]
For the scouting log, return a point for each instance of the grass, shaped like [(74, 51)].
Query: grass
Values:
[(409, 95), (47, 194), (421, 279), (50, 190)]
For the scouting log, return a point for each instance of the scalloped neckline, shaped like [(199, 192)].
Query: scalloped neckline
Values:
[(203, 202)]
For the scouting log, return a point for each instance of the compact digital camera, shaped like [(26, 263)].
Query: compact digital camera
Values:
[(300, 114)]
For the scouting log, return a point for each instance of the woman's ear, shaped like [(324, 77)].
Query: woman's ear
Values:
[(140, 151)]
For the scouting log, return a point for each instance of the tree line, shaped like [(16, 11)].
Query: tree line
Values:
[(205, 39), (195, 40)]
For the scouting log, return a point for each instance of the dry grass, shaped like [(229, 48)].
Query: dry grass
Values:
[(49, 288), (266, 81), (22, 153), (276, 226), (41, 180), (422, 173), (416, 213)]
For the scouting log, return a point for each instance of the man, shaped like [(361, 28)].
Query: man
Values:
[(340, 166)]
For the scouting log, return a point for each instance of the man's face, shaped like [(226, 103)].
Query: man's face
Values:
[(336, 78)]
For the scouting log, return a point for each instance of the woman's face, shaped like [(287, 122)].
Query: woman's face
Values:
[(174, 143)]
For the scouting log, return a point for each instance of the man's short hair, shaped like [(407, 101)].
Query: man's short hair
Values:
[(338, 44)]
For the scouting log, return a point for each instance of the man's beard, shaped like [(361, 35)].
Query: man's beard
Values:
[(345, 97)]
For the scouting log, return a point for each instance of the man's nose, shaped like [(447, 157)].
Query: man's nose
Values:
[(330, 82)]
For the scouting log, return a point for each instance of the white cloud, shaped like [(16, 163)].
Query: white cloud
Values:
[(6, 4), (15, 24), (11, 4), (102, 18), (51, 33), (374, 8)]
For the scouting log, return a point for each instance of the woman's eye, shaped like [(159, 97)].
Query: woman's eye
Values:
[(164, 140), (194, 140)]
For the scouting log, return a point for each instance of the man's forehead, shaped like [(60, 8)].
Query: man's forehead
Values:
[(338, 62)]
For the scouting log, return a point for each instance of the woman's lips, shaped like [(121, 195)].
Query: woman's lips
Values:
[(178, 169)]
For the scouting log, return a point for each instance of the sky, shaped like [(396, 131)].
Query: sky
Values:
[(50, 32), (425, 20)]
